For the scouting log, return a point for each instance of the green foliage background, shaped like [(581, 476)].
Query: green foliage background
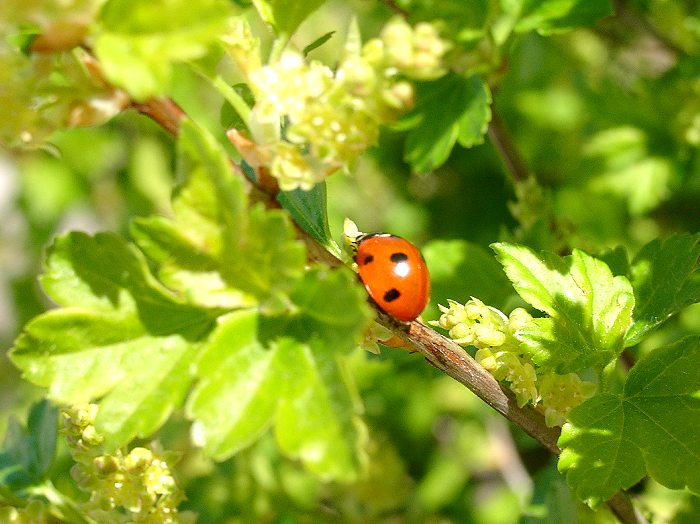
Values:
[(607, 117)]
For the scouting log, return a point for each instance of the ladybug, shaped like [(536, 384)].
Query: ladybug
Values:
[(394, 273)]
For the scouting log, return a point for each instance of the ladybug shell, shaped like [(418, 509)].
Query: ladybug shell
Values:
[(394, 274)]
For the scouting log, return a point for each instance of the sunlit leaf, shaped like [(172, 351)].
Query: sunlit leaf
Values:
[(589, 309), (611, 441)]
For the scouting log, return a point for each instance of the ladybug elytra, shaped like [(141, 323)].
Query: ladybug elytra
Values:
[(394, 273)]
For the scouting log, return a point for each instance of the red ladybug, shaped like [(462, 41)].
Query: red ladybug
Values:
[(394, 274)]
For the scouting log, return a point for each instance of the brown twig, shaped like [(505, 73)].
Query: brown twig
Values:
[(451, 359), (163, 111)]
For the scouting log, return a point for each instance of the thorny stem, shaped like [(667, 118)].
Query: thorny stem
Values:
[(439, 351)]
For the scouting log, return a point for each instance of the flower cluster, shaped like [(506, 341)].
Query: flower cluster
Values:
[(560, 393), (493, 334), (137, 486), (310, 121)]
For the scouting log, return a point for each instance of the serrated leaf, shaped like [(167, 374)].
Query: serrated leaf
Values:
[(216, 251), (258, 371), (27, 454), (183, 266), (666, 279), (80, 358), (137, 55), (328, 305), (156, 380), (644, 183), (286, 15), (308, 209), (103, 273), (556, 16), (611, 441), (319, 423), (265, 260), (126, 339), (451, 109), (589, 309), (210, 194), (209, 206), (240, 384)]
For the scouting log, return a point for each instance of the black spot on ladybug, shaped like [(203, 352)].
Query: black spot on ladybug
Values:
[(392, 295), (398, 257), (367, 260)]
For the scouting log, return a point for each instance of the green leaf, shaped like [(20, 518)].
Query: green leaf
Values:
[(319, 422), (451, 109), (216, 251), (589, 309), (328, 304), (156, 379), (210, 209), (556, 16), (318, 42), (259, 371), (121, 337), (666, 279), (103, 273), (265, 260), (644, 183), (240, 383), (27, 454), (617, 260), (286, 15), (308, 209), (184, 265), (137, 55), (229, 118), (612, 441)]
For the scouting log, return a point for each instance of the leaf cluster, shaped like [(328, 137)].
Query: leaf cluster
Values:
[(645, 425), (234, 327)]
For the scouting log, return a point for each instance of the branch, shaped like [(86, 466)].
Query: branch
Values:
[(454, 361), (163, 111), (439, 351), (503, 142)]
